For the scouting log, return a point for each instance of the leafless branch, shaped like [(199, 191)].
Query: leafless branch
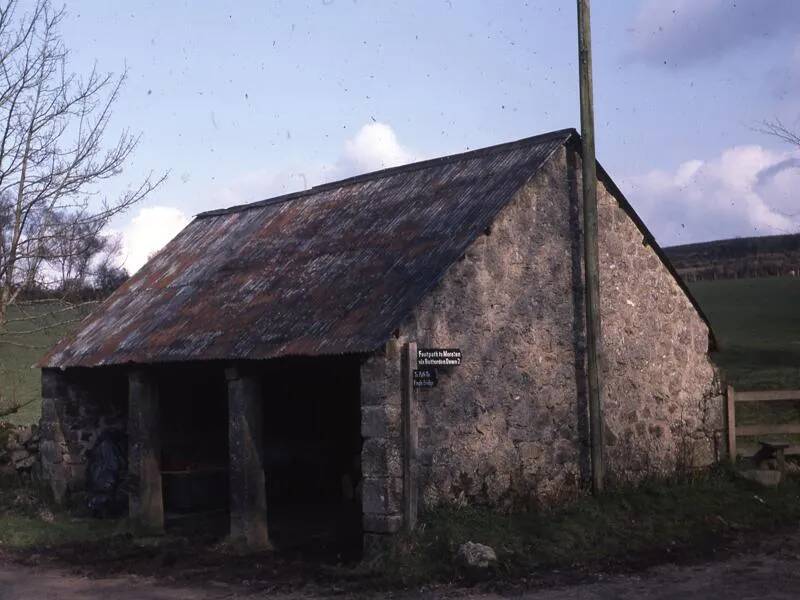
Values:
[(776, 128), (54, 156)]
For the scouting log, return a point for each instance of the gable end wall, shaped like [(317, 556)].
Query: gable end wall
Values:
[(508, 427)]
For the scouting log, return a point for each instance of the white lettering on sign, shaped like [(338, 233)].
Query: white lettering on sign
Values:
[(425, 378), (438, 357)]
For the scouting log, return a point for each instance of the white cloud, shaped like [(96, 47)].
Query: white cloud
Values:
[(374, 146), (148, 232), (745, 191), (680, 32)]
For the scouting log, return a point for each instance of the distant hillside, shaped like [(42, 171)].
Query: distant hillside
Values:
[(767, 256), (757, 328)]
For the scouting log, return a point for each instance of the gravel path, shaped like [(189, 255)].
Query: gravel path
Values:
[(27, 583)]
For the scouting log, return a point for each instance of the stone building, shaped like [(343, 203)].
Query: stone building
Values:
[(274, 349)]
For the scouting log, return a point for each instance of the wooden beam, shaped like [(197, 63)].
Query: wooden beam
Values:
[(248, 491), (146, 500), (790, 428), (409, 416), (767, 395), (730, 414)]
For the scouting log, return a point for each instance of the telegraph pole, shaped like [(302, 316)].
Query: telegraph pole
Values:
[(590, 251)]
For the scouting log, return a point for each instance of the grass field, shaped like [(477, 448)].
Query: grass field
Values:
[(757, 326), (19, 381)]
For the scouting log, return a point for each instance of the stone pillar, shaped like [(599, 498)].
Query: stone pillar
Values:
[(381, 455), (146, 500), (55, 394), (248, 491)]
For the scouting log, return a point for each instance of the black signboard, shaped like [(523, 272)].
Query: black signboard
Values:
[(438, 357), (425, 378)]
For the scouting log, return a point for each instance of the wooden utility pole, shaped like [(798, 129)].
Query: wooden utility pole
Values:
[(590, 251)]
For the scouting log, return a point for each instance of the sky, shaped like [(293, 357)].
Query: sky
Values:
[(243, 101)]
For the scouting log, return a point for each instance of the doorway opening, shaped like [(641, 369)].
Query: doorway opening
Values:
[(312, 454), (194, 447)]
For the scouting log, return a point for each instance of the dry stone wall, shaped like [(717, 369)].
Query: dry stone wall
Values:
[(77, 405), (19, 450)]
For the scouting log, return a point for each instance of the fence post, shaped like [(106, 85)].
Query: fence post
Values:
[(730, 403)]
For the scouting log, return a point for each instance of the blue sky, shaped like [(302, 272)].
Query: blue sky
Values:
[(251, 99)]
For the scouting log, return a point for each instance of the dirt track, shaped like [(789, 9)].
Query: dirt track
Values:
[(760, 576), (771, 572)]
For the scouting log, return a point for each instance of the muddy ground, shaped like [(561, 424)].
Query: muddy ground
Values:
[(767, 568)]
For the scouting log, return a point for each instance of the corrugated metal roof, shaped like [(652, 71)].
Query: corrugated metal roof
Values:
[(330, 270)]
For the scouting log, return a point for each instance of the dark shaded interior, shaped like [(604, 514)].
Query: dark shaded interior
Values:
[(194, 439), (312, 450), (312, 453)]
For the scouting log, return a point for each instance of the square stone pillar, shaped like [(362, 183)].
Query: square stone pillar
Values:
[(146, 500), (248, 491), (53, 444), (381, 454)]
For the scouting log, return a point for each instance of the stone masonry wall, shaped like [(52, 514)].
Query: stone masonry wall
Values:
[(508, 427), (77, 405), (663, 402)]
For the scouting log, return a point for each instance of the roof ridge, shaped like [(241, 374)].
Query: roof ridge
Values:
[(536, 139)]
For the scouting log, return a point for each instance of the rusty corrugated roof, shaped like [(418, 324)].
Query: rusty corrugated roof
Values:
[(330, 270)]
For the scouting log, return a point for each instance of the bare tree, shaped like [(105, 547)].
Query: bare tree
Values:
[(53, 156), (777, 129)]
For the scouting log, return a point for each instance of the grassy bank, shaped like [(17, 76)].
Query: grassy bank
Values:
[(672, 520), (19, 381), (28, 520), (656, 521)]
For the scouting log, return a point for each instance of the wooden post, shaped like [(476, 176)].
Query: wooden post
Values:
[(730, 403), (408, 364), (590, 248), (248, 491), (146, 501)]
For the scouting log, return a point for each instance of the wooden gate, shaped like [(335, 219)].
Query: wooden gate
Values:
[(739, 396)]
